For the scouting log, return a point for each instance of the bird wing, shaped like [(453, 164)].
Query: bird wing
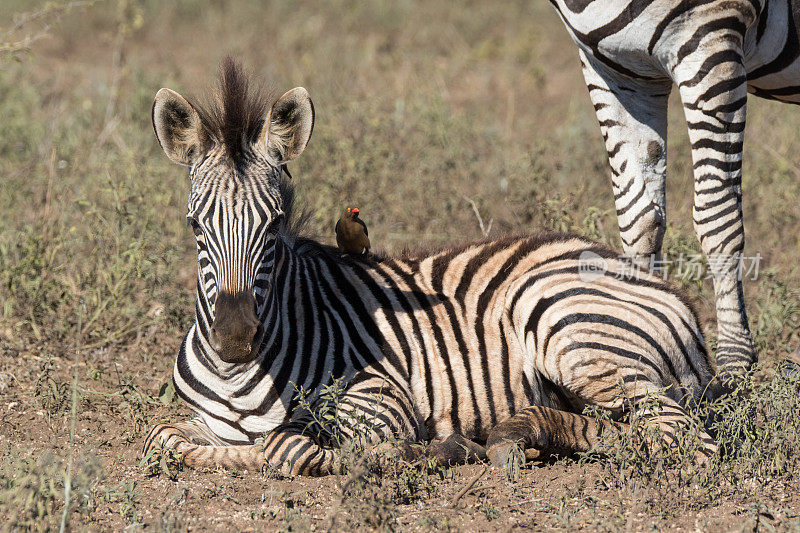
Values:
[(366, 232), (339, 237)]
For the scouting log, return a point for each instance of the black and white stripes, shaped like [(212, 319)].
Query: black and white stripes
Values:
[(469, 347), (632, 53)]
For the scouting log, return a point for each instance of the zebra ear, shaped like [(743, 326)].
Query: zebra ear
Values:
[(289, 125), (178, 128)]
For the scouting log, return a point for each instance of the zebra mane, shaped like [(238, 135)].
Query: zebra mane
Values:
[(233, 113), (295, 219)]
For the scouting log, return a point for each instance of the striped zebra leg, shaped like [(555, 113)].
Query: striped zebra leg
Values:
[(713, 89), (193, 431), (633, 121), (455, 450), (198, 447), (370, 410), (671, 419), (541, 431)]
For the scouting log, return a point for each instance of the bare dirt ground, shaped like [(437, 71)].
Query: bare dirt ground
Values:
[(424, 110), (114, 492)]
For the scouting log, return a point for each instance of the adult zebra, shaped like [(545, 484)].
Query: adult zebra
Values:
[(632, 51), (471, 347)]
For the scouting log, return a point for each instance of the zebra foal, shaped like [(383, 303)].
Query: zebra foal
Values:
[(632, 53), (471, 348)]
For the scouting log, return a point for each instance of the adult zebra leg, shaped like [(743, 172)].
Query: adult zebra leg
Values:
[(195, 431), (713, 90), (671, 419), (633, 121), (455, 450)]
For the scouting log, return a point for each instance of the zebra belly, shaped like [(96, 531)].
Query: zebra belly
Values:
[(768, 81), (617, 36), (772, 53)]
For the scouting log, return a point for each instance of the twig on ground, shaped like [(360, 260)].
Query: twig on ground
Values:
[(468, 487)]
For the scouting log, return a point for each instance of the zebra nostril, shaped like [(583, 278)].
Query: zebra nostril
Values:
[(214, 339)]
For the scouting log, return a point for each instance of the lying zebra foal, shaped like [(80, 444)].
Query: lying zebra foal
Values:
[(475, 348)]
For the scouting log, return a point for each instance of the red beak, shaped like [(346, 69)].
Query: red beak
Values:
[(355, 211)]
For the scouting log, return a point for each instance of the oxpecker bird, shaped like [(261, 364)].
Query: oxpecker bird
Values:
[(352, 236)]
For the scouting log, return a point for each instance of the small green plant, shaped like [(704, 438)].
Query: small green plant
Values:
[(758, 427), (774, 331), (489, 511), (162, 459), (514, 462), (415, 481), (334, 420), (51, 393), (30, 491), (127, 495)]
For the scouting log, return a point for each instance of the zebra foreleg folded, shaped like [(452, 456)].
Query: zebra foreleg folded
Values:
[(192, 431), (286, 450), (196, 446), (370, 412)]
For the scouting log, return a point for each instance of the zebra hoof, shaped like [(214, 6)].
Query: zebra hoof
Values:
[(508, 453)]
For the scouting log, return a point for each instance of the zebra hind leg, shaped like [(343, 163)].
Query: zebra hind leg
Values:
[(715, 100), (633, 120), (455, 450), (540, 431), (674, 425)]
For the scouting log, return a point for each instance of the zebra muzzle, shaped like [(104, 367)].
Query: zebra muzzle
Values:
[(236, 332)]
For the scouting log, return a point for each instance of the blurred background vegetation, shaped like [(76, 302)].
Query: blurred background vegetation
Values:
[(431, 116), (422, 109)]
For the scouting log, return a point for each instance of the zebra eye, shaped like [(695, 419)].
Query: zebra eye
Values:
[(198, 232)]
